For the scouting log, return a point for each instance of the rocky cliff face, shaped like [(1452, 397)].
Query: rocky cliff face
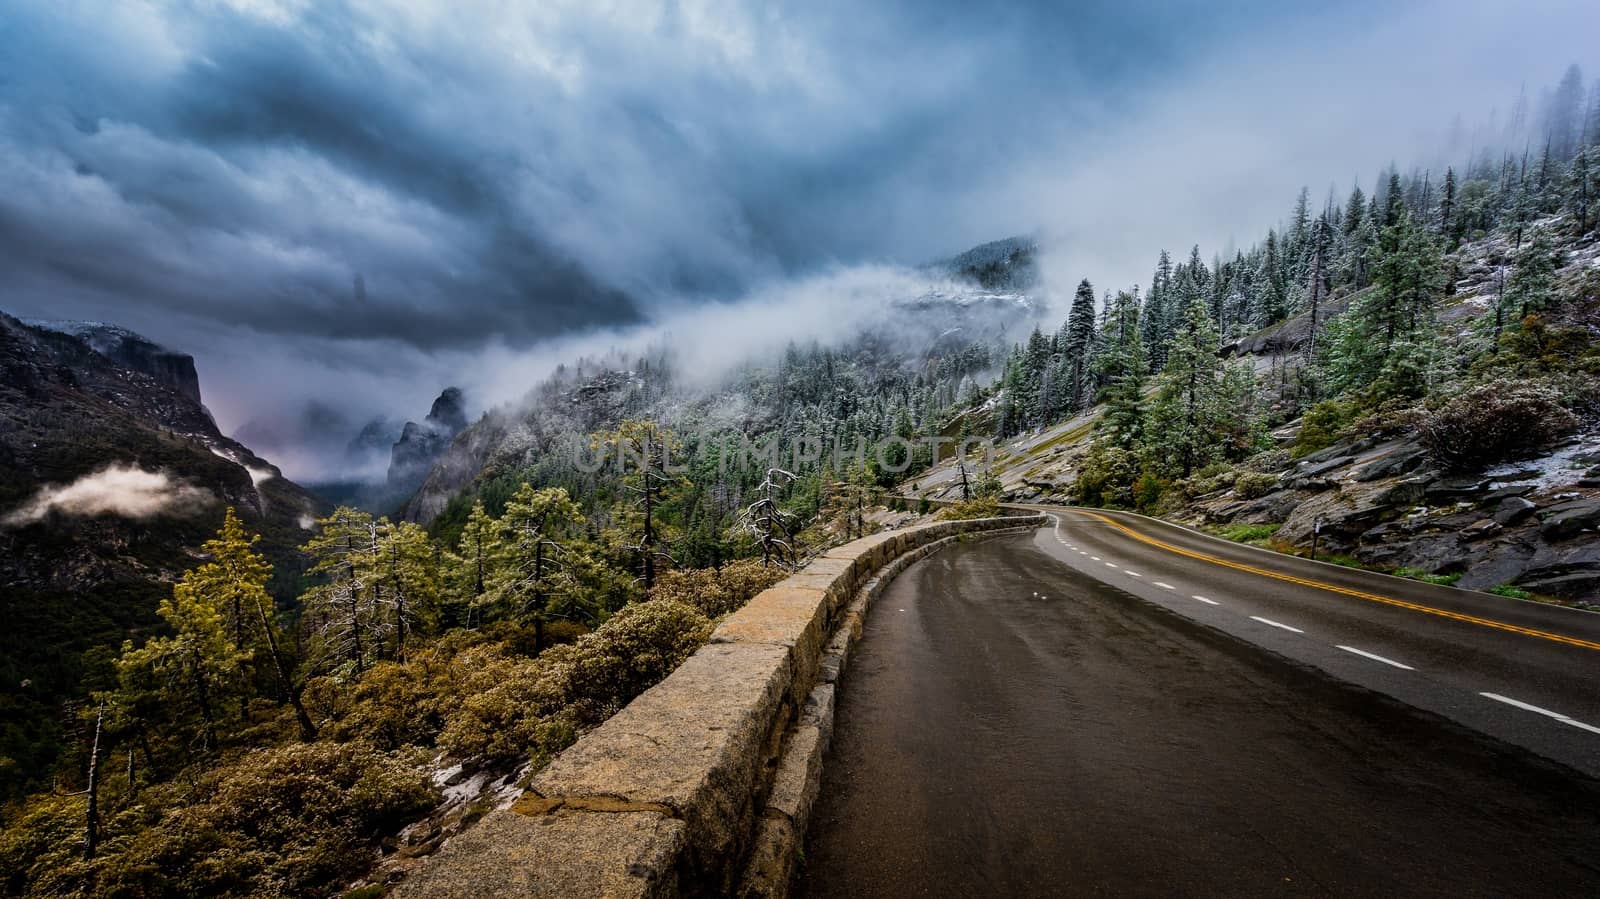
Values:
[(135, 352), (421, 445)]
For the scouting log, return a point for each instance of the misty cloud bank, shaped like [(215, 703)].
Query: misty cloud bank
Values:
[(115, 490), (360, 202)]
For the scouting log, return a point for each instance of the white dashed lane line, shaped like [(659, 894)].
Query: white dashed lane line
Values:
[(1209, 602), (1165, 586), (1377, 658), (1111, 565), (1545, 712), (1096, 558), (1134, 574), (1276, 624)]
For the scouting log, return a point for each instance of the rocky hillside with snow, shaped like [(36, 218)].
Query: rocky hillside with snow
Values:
[(911, 362), (1382, 496)]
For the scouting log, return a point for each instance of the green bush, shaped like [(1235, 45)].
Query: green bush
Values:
[(717, 591), (983, 507), (1250, 533), (1321, 426), (1254, 484), (1108, 475), (1510, 591), (1428, 577), (278, 822)]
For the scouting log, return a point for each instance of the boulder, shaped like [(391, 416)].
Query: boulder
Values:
[(1494, 496), (1403, 461), (1321, 468), (1480, 529), (1455, 490), (1570, 519), (1513, 509)]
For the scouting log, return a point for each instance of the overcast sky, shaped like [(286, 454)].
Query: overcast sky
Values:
[(362, 201)]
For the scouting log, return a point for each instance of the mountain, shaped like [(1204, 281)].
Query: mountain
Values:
[(1008, 264), (111, 475), (908, 363), (420, 445), (134, 352)]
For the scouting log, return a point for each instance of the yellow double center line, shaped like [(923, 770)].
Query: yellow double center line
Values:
[(1347, 591)]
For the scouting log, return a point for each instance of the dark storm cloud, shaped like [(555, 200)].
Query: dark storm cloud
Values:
[(245, 162), (221, 174)]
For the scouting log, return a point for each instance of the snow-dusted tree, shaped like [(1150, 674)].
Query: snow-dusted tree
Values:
[(1121, 368), (1183, 420), (341, 610), (767, 521), (1532, 283), (471, 567), (532, 574), (1079, 343), (644, 451)]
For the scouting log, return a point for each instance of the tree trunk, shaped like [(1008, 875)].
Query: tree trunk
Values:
[(91, 819), (286, 687)]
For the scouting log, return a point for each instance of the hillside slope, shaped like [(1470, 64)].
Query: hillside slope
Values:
[(110, 478)]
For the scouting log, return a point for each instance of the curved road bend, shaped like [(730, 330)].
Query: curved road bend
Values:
[(1013, 725)]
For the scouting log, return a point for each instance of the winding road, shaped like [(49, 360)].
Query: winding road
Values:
[(1119, 706)]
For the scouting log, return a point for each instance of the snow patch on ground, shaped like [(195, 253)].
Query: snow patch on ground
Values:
[(1558, 469)]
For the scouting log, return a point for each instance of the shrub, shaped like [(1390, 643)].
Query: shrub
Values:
[(514, 707), (1147, 491), (1250, 533), (982, 507), (1428, 577), (717, 591), (1320, 427), (1254, 484), (289, 821), (1508, 590), (1107, 476), (1492, 423)]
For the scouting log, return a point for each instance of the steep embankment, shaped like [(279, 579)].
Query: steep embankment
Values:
[(110, 477), (1380, 497)]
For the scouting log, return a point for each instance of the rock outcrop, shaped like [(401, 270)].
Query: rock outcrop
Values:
[(134, 352), (421, 444)]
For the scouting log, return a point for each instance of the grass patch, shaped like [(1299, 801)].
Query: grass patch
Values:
[(1257, 534), (1427, 577), (1510, 591)]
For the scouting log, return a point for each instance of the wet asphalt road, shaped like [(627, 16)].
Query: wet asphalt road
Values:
[(1013, 726)]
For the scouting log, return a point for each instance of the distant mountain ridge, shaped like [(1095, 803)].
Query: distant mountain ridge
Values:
[(1006, 264)]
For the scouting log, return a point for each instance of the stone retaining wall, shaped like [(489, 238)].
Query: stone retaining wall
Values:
[(701, 786)]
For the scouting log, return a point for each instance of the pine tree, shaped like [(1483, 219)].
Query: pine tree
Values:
[(644, 452), (1122, 370), (1580, 198), (536, 533), (1531, 286), (406, 571), (1355, 210), (1273, 305), (1183, 419), (1447, 208), (471, 568), (192, 673), (1080, 329), (342, 609)]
